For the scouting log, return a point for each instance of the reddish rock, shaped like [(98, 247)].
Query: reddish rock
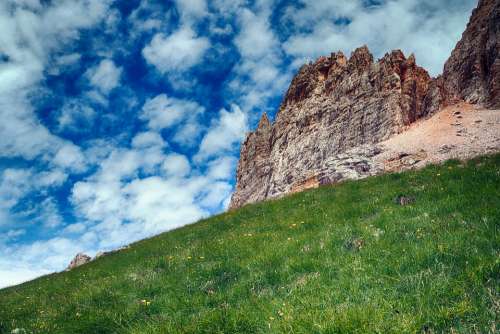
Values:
[(337, 110), (78, 260), (254, 165), (472, 73), (333, 106)]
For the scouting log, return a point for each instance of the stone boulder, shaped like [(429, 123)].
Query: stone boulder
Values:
[(78, 260)]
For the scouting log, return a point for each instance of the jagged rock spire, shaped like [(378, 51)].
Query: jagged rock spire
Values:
[(472, 73), (264, 122), (336, 106)]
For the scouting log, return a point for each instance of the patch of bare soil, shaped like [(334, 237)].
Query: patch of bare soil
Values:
[(460, 131)]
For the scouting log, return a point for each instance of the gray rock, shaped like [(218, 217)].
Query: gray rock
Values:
[(78, 260), (472, 73), (332, 115), (337, 110)]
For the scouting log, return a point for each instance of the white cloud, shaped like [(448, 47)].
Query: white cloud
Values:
[(51, 178), (429, 29), (63, 62), (141, 191), (14, 185), (176, 165), (105, 76), (70, 156), (135, 207), (48, 213), (163, 112), (177, 52), (74, 114), (190, 130), (217, 195), (18, 273), (260, 74), (12, 234), (192, 9), (76, 228), (224, 134), (256, 38), (148, 139), (29, 35), (222, 168), (17, 184), (25, 262)]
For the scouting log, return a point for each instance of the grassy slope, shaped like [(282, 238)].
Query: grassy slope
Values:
[(291, 266)]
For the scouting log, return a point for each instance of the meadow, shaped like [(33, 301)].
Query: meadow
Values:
[(339, 259)]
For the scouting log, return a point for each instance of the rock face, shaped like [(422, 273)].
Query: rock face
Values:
[(337, 109), (79, 260), (472, 73), (332, 110)]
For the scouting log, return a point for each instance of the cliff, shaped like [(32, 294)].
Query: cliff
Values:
[(472, 73), (337, 109)]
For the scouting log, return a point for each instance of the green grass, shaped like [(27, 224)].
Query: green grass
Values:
[(295, 266)]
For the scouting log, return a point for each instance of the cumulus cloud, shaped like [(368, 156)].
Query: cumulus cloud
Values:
[(192, 9), (176, 165), (148, 139), (29, 35), (32, 32), (222, 168), (260, 74), (105, 76), (16, 273), (21, 263), (429, 29), (69, 156), (17, 184), (218, 194), (126, 202), (179, 51), (163, 112), (222, 136), (75, 116), (48, 213)]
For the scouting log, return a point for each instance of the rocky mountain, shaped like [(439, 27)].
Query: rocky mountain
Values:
[(338, 110), (472, 73)]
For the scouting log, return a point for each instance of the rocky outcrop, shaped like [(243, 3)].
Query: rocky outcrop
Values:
[(338, 109), (332, 110), (78, 260), (472, 73), (254, 167)]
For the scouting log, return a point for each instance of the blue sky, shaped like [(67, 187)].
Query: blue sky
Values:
[(123, 119)]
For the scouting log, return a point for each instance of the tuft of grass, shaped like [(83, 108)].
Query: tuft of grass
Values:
[(339, 259)]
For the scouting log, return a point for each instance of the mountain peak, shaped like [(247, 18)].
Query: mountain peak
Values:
[(337, 111)]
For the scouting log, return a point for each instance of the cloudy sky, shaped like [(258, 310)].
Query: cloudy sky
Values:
[(123, 119)]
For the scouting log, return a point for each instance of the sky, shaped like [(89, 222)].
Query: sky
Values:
[(120, 120)]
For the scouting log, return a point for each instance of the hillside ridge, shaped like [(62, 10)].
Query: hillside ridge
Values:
[(411, 252)]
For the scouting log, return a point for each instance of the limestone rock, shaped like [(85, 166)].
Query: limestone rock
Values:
[(472, 73), (338, 109), (78, 260), (404, 200), (334, 109)]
